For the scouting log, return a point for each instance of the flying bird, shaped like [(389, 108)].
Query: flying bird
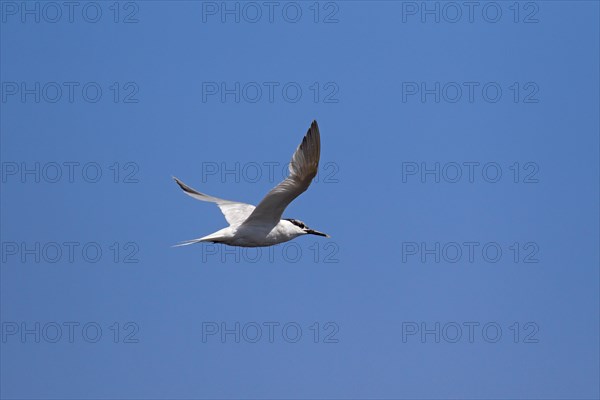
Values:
[(251, 226)]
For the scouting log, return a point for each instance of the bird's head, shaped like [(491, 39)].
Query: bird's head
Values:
[(304, 229)]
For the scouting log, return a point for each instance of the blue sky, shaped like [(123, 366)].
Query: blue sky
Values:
[(459, 183)]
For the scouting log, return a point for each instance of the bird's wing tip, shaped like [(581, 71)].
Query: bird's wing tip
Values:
[(180, 183)]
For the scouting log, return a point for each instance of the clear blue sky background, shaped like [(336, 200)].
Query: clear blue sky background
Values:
[(371, 294)]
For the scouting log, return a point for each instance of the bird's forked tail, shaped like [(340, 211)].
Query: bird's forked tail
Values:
[(213, 237)]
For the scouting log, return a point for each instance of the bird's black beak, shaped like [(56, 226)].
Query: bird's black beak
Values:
[(313, 232)]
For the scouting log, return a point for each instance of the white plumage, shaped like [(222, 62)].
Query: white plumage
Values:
[(262, 225)]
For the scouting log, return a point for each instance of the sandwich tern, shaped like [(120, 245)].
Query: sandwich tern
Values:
[(262, 225)]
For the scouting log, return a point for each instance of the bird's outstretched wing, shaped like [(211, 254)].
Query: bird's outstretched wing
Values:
[(235, 213), (303, 168)]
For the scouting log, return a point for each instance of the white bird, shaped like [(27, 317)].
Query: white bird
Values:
[(262, 225)]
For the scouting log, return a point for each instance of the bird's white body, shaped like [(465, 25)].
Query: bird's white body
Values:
[(251, 226), (255, 236)]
